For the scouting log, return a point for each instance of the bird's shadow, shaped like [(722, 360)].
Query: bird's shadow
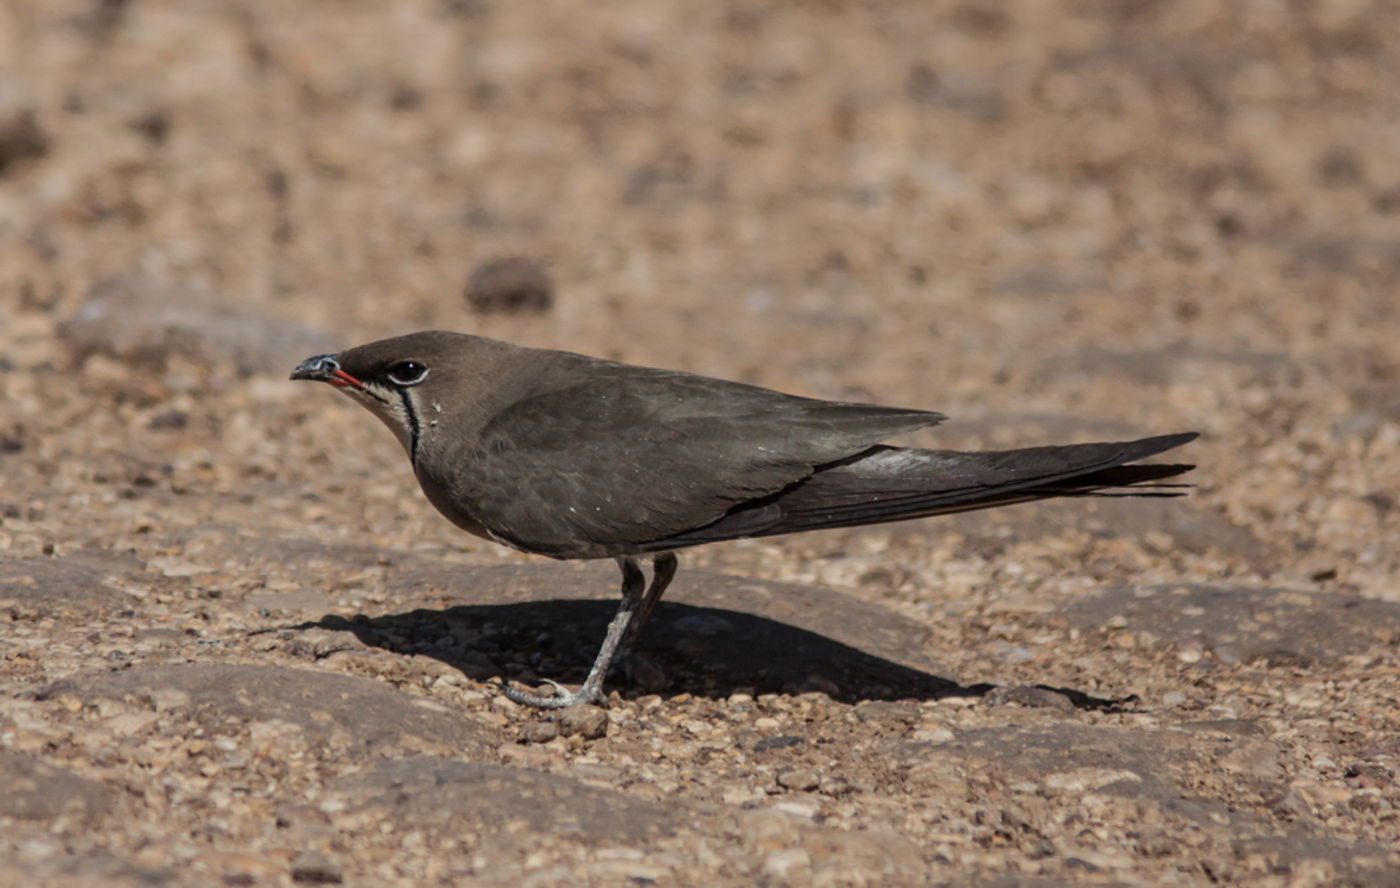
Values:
[(686, 649)]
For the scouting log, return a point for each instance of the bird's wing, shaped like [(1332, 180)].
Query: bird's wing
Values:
[(893, 484), (626, 456)]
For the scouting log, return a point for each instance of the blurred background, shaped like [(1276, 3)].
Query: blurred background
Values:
[(1052, 220), (1046, 219)]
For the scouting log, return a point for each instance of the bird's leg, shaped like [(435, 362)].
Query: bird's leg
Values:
[(633, 589), (663, 568)]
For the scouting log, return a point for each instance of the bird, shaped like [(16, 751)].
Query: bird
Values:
[(574, 457)]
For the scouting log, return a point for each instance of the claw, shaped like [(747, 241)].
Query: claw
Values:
[(559, 690)]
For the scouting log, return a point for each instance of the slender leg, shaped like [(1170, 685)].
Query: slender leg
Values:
[(633, 589), (663, 568)]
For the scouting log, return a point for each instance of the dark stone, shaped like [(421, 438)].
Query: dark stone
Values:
[(21, 138), (514, 284), (1039, 697), (170, 419), (782, 741), (154, 125)]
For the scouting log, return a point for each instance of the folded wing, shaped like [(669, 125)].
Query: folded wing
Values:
[(893, 484)]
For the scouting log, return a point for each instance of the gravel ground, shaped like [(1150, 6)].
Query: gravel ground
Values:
[(237, 647)]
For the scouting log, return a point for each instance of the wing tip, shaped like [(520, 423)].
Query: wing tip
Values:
[(1145, 447)]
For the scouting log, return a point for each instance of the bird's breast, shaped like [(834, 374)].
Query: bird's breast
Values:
[(442, 493)]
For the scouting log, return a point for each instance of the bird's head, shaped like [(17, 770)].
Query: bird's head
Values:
[(402, 381)]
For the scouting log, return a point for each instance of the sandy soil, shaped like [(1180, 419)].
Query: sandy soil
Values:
[(237, 647)]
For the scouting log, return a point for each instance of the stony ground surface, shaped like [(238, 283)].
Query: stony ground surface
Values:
[(238, 648)]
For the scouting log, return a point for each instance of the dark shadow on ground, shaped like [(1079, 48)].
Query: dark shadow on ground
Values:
[(686, 649)]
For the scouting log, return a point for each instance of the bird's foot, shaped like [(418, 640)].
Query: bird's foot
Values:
[(562, 699)]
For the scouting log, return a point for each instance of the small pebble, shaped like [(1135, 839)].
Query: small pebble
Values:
[(589, 722), (315, 868), (539, 732), (798, 779)]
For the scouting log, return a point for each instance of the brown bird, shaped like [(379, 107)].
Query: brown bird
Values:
[(569, 456)]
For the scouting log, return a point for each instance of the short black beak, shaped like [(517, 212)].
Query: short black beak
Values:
[(325, 368), (318, 368)]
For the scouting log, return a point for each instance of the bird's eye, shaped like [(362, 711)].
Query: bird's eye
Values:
[(407, 373)]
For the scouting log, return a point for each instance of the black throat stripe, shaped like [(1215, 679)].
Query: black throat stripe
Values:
[(413, 428)]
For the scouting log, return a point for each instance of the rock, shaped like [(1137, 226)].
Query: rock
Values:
[(1368, 775), (799, 779), (887, 711), (514, 284), (451, 797), (1256, 758), (788, 866), (94, 867), (38, 790), (1157, 844), (79, 582), (539, 732), (779, 742), (315, 868), (145, 319), (362, 717), (1043, 698), (589, 722), (1285, 628), (21, 137)]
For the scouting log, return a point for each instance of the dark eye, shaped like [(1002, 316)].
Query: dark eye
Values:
[(407, 373)]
